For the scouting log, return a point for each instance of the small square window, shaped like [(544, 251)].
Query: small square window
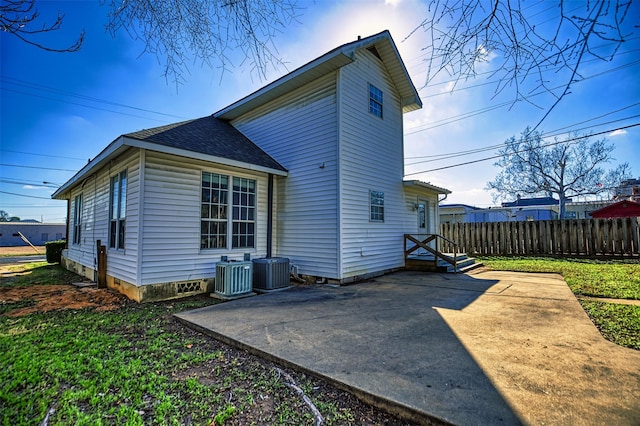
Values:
[(375, 101)]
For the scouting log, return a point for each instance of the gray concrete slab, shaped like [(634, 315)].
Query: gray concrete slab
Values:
[(489, 348)]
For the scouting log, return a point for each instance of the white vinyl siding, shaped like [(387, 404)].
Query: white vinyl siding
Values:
[(172, 207), (95, 192), (122, 264), (299, 130), (371, 154)]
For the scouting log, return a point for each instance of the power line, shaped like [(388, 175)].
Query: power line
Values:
[(43, 155), (22, 195), (37, 167), (500, 156), (34, 206), (82, 105), (551, 133), (36, 86), (16, 182)]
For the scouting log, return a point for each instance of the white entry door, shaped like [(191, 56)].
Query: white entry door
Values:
[(424, 227), (423, 217)]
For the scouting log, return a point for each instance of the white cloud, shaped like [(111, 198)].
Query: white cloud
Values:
[(617, 133)]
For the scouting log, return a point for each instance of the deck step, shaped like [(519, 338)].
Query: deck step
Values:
[(425, 262)]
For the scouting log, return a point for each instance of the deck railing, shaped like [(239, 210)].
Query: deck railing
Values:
[(422, 241)]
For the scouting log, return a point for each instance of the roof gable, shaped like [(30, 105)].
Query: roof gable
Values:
[(383, 46)]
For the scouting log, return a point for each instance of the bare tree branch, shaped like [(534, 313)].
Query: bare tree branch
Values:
[(468, 33), (19, 18), (183, 32)]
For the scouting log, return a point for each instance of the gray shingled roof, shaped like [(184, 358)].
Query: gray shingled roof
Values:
[(210, 136)]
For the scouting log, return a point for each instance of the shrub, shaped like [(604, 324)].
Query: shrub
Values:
[(54, 250)]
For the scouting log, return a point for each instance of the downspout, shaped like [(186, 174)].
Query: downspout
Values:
[(270, 216)]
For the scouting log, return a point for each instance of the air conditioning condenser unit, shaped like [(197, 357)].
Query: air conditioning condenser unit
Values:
[(233, 278), (271, 273)]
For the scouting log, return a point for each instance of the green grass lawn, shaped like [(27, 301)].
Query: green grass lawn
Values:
[(601, 279), (137, 365)]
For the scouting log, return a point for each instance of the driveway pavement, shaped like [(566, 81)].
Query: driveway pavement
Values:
[(22, 259), (483, 349)]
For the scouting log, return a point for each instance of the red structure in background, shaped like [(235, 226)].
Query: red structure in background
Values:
[(624, 208)]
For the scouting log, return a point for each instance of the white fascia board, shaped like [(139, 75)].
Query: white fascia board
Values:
[(424, 185), (136, 143), (113, 149), (297, 78), (122, 143)]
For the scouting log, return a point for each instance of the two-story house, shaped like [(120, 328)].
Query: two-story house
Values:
[(309, 167)]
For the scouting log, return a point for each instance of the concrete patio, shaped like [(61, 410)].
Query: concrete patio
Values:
[(488, 348)]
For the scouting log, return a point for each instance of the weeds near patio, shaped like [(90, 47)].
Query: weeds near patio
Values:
[(137, 365), (615, 279), (618, 323)]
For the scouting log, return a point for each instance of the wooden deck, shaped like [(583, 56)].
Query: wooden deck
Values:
[(421, 253)]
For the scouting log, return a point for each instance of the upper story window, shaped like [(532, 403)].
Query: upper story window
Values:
[(118, 210), (376, 206), (77, 219), (218, 198), (375, 101)]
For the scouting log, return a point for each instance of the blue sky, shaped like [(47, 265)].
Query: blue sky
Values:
[(60, 109)]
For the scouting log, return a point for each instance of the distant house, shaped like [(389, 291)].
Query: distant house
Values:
[(457, 213), (35, 232), (628, 190), (522, 209), (309, 167), (624, 208)]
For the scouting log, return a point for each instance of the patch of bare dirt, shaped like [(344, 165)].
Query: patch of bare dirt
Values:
[(54, 297), (21, 250)]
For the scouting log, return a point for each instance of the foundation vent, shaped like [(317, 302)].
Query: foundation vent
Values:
[(189, 287)]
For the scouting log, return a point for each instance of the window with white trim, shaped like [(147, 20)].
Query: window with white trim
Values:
[(215, 226), (376, 206), (118, 210), (244, 213), (77, 219), (375, 100)]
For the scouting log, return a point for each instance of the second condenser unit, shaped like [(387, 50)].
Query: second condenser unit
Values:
[(270, 273)]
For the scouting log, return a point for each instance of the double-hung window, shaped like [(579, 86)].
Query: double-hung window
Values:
[(214, 210), (244, 213), (222, 194), (77, 219), (118, 210), (376, 206), (375, 101)]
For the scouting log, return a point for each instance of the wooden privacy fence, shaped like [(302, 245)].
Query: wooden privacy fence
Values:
[(576, 237)]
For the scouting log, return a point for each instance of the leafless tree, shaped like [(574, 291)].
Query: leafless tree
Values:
[(529, 53), (567, 168), (22, 19), (206, 31)]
